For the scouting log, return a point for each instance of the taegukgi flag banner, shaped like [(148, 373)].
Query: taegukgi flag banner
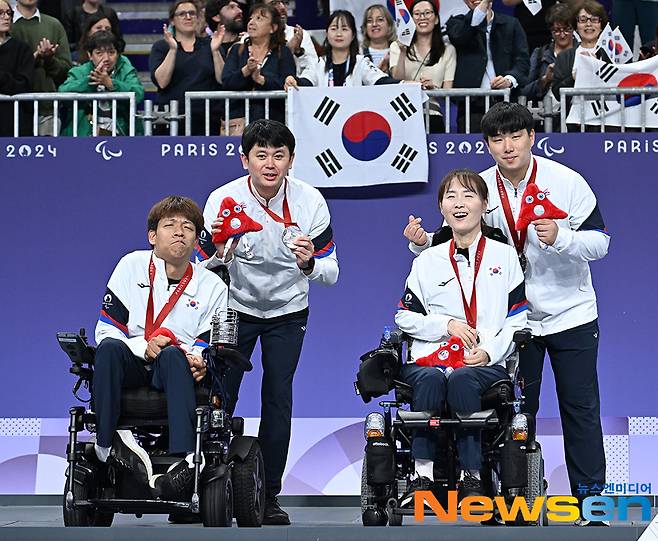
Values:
[(594, 73), (404, 23), (358, 136)]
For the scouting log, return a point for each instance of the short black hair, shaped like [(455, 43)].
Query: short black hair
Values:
[(267, 133), (213, 7), (506, 117), (103, 39)]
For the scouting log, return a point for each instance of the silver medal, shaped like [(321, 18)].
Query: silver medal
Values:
[(289, 235)]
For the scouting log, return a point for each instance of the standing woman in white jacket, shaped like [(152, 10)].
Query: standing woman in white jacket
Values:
[(342, 65)]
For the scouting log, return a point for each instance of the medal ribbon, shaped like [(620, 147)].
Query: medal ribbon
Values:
[(150, 325), (470, 309), (520, 237), (287, 219)]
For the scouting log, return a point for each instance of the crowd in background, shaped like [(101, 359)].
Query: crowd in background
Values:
[(238, 45)]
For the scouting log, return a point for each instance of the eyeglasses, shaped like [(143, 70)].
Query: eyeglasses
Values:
[(378, 20), (584, 19), (423, 14), (7, 13), (562, 31), (191, 14)]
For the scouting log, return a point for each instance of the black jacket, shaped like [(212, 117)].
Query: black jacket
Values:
[(16, 77), (509, 49), (541, 58), (563, 70)]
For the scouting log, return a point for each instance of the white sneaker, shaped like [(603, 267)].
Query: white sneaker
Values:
[(128, 454)]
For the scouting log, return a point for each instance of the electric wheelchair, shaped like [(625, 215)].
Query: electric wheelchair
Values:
[(512, 463), (230, 485)]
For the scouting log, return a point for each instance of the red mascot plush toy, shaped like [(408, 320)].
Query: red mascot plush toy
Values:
[(163, 331), (449, 355), (236, 222), (535, 205)]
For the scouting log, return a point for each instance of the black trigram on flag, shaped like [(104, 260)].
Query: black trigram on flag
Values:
[(403, 106), (330, 165), (404, 158), (406, 32), (326, 111), (606, 72), (654, 108), (596, 107)]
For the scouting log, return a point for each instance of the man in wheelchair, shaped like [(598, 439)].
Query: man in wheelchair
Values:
[(154, 324), (463, 303), (160, 330)]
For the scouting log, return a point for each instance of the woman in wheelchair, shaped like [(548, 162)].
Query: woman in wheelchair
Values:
[(470, 288)]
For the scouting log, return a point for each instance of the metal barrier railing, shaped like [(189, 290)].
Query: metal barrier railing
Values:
[(173, 118), (169, 116), (75, 97), (468, 93), (600, 93), (226, 96)]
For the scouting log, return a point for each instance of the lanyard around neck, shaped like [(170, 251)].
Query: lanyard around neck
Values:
[(150, 325), (470, 308)]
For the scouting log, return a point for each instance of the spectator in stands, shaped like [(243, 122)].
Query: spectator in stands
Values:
[(535, 26), (229, 14), (182, 62), (589, 19), (75, 21), (106, 71), (16, 73), (542, 60), (96, 22), (378, 29), (628, 13), (342, 65), (47, 39), (201, 29), (492, 53), (428, 59), (649, 49), (298, 40), (261, 62)]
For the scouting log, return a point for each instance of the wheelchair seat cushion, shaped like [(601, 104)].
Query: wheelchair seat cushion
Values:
[(148, 403)]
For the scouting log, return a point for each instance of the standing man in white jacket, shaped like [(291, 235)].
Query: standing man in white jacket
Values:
[(270, 273), (555, 255)]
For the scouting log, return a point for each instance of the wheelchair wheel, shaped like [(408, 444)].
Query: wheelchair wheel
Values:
[(371, 514), (536, 484), (249, 489), (217, 503), (88, 516)]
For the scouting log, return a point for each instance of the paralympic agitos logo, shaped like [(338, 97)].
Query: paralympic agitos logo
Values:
[(557, 508)]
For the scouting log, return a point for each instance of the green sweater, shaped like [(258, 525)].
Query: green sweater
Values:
[(48, 74), (124, 79)]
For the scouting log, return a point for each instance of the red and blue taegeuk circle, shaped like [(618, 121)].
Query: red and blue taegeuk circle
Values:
[(646, 80), (404, 14), (366, 135), (614, 47)]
